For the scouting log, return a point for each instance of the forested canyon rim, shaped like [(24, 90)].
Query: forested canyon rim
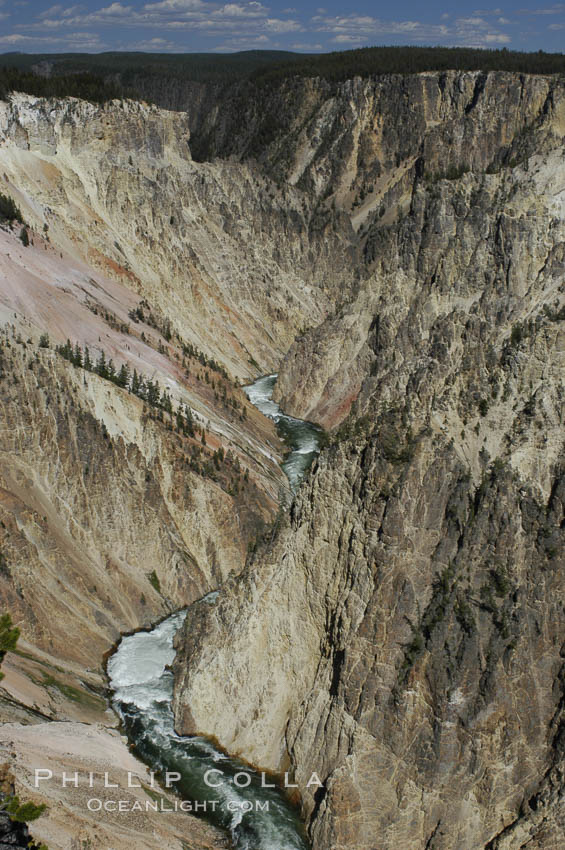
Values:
[(400, 628)]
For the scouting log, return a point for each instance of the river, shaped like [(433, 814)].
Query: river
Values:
[(256, 817), (302, 438)]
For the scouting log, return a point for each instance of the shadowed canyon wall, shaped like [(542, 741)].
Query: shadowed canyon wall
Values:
[(403, 636)]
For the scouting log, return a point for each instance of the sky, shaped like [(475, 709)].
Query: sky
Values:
[(39, 26)]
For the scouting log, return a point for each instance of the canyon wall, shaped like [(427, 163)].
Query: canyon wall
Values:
[(115, 509), (226, 255), (403, 635), (427, 134), (401, 242)]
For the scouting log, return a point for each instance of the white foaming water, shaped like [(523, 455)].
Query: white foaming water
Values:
[(302, 438), (260, 394), (142, 685)]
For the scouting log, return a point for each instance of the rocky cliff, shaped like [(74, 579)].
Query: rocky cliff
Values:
[(115, 508), (403, 635), (400, 631), (225, 254), (444, 151)]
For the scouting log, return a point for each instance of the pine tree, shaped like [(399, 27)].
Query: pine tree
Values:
[(77, 355), (122, 379), (8, 637), (189, 421), (135, 383), (23, 812), (153, 393), (166, 402), (8, 209), (102, 367), (65, 350), (87, 361)]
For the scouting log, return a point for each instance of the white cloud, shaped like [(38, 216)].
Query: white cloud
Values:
[(248, 20), (82, 41), (243, 43), (347, 39), (303, 46), (259, 39), (497, 38), (52, 10), (14, 38), (113, 14), (472, 22), (161, 45), (472, 30), (475, 31), (58, 9), (116, 9), (276, 25), (238, 10), (250, 23), (365, 26), (174, 6)]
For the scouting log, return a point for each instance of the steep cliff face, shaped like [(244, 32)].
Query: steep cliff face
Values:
[(224, 253), (361, 142), (101, 490), (110, 518), (404, 640), (403, 636), (456, 226), (95, 497), (116, 509)]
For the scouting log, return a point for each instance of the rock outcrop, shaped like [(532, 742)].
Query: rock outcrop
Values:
[(470, 172), (403, 635), (224, 253), (113, 512), (95, 498)]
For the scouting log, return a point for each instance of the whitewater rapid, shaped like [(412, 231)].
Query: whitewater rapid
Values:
[(256, 817), (302, 438)]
